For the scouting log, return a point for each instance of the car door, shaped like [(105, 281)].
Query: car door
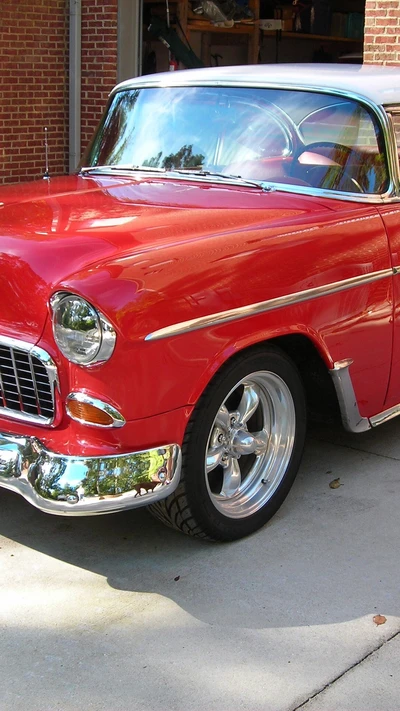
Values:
[(390, 214)]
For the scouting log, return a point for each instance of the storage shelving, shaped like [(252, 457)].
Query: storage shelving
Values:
[(250, 34)]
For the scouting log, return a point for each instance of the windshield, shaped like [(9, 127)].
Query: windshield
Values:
[(283, 136)]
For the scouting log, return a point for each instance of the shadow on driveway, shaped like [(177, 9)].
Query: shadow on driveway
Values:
[(328, 556)]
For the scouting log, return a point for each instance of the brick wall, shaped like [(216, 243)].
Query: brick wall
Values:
[(99, 60), (34, 38), (382, 32), (32, 87)]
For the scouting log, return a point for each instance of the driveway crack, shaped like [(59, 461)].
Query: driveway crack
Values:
[(355, 449), (343, 673)]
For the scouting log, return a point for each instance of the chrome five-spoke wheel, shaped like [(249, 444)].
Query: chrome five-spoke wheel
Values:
[(242, 448), (250, 444)]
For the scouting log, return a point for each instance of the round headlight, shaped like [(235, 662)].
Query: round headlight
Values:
[(82, 333)]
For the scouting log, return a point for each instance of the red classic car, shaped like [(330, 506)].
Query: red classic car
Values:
[(225, 261)]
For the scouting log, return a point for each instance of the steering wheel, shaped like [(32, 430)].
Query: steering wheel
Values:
[(339, 158)]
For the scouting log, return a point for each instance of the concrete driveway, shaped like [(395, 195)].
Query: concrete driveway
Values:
[(119, 613)]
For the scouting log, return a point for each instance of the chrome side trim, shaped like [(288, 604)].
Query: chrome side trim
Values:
[(118, 419), (272, 304), (384, 416), (81, 486), (351, 418)]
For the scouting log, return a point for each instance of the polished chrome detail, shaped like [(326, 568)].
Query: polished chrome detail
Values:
[(118, 419), (384, 416), (28, 378), (391, 151), (106, 332), (249, 446), (273, 186), (370, 198), (108, 339), (351, 418), (79, 486), (263, 306), (56, 298)]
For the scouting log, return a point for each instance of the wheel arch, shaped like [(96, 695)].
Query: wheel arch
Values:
[(321, 397), (313, 366)]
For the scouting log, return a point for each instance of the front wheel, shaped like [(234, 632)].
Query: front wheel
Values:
[(242, 449)]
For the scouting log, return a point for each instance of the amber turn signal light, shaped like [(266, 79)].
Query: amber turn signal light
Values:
[(89, 410), (85, 412)]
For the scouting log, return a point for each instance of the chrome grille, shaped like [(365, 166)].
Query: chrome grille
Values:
[(27, 379)]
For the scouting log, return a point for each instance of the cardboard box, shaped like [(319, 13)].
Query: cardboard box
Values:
[(270, 25)]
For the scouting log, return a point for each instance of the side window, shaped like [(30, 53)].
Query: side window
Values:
[(395, 114)]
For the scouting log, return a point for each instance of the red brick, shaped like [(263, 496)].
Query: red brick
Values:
[(34, 79), (382, 22)]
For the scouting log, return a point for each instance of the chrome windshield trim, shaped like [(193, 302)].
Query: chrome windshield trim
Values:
[(118, 419), (392, 148), (270, 305), (392, 193), (370, 198)]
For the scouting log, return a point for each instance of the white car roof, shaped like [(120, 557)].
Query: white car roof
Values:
[(379, 84)]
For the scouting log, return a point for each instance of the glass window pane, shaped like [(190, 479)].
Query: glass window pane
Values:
[(294, 137), (396, 125)]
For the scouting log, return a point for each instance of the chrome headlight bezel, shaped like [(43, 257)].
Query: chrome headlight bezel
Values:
[(106, 333)]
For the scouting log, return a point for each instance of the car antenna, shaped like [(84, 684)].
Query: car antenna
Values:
[(46, 175)]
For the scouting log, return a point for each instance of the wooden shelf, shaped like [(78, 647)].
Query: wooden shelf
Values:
[(246, 33), (250, 31), (237, 29), (304, 36)]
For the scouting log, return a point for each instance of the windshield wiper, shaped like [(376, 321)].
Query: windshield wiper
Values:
[(107, 168), (226, 176), (197, 172)]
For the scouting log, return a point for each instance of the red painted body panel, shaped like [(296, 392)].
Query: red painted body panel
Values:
[(391, 218), (152, 253)]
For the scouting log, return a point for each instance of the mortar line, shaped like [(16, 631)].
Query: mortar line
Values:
[(343, 673)]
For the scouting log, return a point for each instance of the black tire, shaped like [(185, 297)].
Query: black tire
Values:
[(207, 505)]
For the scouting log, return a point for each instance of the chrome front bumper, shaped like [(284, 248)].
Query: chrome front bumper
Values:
[(79, 486)]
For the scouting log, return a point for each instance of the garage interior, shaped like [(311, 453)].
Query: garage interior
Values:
[(190, 33)]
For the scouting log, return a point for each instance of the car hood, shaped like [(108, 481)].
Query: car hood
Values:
[(52, 230)]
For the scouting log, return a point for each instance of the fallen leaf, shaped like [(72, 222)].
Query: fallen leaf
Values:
[(379, 619), (335, 484)]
